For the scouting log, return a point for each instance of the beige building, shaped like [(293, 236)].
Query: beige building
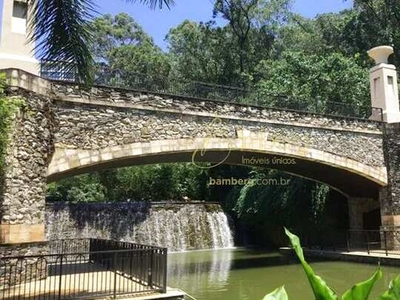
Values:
[(15, 51)]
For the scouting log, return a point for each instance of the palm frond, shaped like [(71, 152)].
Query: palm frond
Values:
[(60, 30), (155, 3)]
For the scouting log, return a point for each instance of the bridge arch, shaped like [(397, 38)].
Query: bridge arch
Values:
[(350, 177)]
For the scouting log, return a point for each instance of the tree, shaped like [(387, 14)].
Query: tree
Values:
[(144, 59), (229, 54), (120, 43), (377, 23), (304, 79), (84, 188), (138, 183), (60, 28), (265, 209), (110, 32), (238, 14), (249, 18), (202, 52)]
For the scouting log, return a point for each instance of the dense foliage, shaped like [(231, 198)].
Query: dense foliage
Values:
[(161, 182)]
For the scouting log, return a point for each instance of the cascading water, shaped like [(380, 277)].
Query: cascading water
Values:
[(220, 231), (178, 227)]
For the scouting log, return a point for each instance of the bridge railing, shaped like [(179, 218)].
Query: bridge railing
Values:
[(94, 269), (381, 242), (202, 90)]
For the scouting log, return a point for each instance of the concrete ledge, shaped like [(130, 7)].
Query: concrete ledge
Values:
[(16, 78), (391, 220), (171, 294), (21, 233), (353, 256)]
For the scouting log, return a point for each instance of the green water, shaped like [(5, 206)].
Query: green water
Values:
[(250, 274)]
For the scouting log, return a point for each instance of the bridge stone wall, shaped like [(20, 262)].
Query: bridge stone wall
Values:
[(105, 96), (29, 153), (90, 127), (65, 120), (107, 117), (97, 123), (390, 194)]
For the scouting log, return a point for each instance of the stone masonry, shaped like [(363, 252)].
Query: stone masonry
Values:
[(390, 194), (86, 127), (29, 153)]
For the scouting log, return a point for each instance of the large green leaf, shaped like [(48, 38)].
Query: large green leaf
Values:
[(60, 30), (321, 290), (361, 291), (278, 294), (394, 290)]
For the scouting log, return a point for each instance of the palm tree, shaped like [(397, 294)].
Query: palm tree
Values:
[(60, 29)]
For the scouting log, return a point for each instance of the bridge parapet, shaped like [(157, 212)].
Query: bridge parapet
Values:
[(139, 99), (124, 98)]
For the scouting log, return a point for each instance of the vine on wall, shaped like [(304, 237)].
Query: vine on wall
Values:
[(8, 107)]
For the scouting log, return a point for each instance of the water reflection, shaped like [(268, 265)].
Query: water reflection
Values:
[(218, 274), (245, 274), (215, 267)]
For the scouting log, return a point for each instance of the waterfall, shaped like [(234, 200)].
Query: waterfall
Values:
[(220, 231), (179, 227)]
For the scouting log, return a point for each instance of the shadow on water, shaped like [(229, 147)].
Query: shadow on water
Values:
[(226, 260), (235, 260)]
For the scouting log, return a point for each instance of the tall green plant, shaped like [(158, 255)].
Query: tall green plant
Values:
[(322, 291)]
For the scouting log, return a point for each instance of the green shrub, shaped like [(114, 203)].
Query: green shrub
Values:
[(322, 291)]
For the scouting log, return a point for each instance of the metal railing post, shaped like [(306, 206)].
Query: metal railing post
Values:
[(165, 270), (150, 270), (115, 275), (59, 284), (348, 240), (366, 233), (385, 237)]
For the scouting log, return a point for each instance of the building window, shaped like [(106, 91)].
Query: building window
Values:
[(19, 17), (20, 10)]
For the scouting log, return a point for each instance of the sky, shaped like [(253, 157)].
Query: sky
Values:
[(158, 22)]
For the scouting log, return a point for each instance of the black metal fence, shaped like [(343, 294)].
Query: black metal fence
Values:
[(371, 241), (94, 269), (202, 90)]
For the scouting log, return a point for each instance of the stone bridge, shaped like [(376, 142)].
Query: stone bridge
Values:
[(63, 130)]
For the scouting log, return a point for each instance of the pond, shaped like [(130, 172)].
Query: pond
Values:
[(249, 274)]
